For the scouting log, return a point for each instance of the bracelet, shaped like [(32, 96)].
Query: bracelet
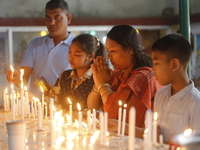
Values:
[(93, 90), (105, 92), (103, 84)]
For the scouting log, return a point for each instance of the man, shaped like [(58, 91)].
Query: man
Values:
[(47, 56)]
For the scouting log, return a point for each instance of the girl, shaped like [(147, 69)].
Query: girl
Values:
[(77, 83)]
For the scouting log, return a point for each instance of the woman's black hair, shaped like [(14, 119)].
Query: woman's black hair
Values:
[(128, 37)]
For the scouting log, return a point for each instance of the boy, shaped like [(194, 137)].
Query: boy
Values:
[(178, 103)]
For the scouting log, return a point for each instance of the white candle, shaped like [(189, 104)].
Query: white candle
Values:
[(70, 108), (21, 77), (148, 125), (89, 121), (131, 141), (79, 118), (105, 127), (119, 117), (124, 119), (51, 121), (145, 137), (161, 139), (35, 106), (51, 109), (93, 120), (45, 111), (4, 98), (39, 116), (32, 111), (17, 105), (101, 127), (155, 128), (13, 96), (42, 101), (7, 102), (22, 103), (26, 100)]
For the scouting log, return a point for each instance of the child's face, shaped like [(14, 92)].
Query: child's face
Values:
[(77, 57), (162, 68)]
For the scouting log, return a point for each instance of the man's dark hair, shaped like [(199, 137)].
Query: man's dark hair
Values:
[(174, 45), (52, 4)]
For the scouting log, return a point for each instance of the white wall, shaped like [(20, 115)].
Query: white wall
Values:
[(95, 8)]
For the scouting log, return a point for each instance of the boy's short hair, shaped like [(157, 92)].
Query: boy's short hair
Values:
[(174, 45), (62, 4)]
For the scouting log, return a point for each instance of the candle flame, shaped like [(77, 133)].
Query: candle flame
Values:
[(107, 133), (21, 74), (25, 88), (35, 99), (155, 115), (125, 105), (94, 137), (78, 106), (69, 101), (71, 136), (146, 131), (11, 86), (187, 132), (60, 140), (41, 89), (11, 68), (69, 119), (120, 103)]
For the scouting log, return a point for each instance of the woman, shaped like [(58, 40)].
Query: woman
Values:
[(77, 83), (132, 81)]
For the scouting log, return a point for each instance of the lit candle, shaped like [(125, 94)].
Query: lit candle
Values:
[(70, 108), (42, 101), (119, 117), (39, 116), (131, 140), (12, 71), (35, 105), (124, 119), (79, 118), (26, 100), (145, 136), (93, 120), (89, 121), (21, 77), (13, 96), (155, 128), (22, 93)]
